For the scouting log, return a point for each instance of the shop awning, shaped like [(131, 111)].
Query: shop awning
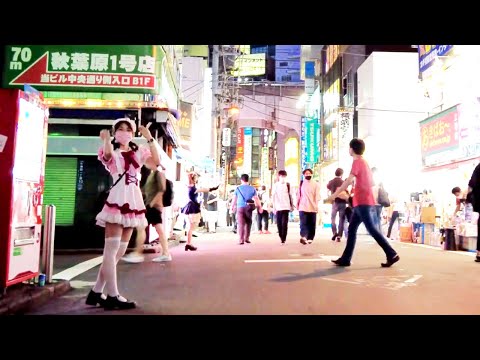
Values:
[(171, 130), (203, 162)]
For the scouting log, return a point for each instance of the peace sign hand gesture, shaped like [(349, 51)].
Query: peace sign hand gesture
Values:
[(145, 131)]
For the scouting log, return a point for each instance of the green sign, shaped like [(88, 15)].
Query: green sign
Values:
[(17, 251), (112, 68), (312, 138)]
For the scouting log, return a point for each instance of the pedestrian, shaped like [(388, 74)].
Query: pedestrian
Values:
[(153, 189), (473, 197), (459, 200), (229, 205), (212, 211), (282, 204), (124, 208), (308, 197), (398, 207), (245, 199), (264, 200), (377, 187), (338, 206), (363, 211), (193, 208)]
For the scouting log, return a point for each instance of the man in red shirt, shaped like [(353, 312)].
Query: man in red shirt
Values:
[(363, 207)]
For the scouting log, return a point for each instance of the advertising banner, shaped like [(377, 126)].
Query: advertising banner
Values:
[(303, 144), (250, 65), (240, 148), (452, 135), (312, 139), (439, 133), (428, 53), (113, 68), (264, 165), (185, 122), (271, 158), (247, 150)]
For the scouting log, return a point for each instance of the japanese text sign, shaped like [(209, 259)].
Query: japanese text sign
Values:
[(89, 67), (440, 132)]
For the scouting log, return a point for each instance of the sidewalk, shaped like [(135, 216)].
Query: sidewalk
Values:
[(22, 297)]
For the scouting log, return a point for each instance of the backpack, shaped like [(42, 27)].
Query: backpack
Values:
[(383, 196), (168, 193), (290, 197)]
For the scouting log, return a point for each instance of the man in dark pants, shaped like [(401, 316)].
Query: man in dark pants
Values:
[(243, 194), (307, 204), (338, 206), (282, 204), (363, 211), (263, 196)]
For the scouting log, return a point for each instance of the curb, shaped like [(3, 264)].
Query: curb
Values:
[(23, 297)]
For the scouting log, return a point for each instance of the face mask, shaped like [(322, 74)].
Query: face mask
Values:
[(308, 177), (123, 137)]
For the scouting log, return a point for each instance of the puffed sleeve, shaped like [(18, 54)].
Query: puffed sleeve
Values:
[(110, 164), (144, 154)]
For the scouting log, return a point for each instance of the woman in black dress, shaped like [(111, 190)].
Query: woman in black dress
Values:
[(192, 209)]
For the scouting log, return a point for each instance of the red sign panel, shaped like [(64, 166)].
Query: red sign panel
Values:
[(240, 147), (440, 132)]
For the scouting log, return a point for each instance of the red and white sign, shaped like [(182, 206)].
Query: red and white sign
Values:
[(38, 74)]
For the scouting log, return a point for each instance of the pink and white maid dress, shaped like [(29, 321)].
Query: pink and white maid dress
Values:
[(124, 204)]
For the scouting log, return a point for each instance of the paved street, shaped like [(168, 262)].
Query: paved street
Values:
[(265, 277)]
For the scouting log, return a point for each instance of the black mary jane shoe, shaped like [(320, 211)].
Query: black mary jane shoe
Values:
[(113, 303), (95, 298), (190, 247)]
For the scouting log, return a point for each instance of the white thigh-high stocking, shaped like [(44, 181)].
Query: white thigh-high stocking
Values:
[(107, 275), (100, 284)]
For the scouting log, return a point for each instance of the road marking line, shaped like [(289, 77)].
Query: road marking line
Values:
[(81, 283), (78, 269), (283, 260), (413, 278), (344, 281)]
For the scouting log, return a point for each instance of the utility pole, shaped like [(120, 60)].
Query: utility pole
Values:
[(215, 77)]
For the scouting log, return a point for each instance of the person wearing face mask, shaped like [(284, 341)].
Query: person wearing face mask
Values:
[(308, 197), (282, 204), (124, 208)]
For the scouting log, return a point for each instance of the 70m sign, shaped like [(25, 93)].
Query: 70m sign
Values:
[(23, 54)]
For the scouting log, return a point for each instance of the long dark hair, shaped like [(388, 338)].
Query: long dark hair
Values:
[(115, 144)]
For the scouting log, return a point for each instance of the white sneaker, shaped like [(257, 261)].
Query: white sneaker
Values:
[(163, 258), (133, 258)]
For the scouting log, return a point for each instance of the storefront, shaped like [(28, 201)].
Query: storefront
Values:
[(450, 144), (86, 87)]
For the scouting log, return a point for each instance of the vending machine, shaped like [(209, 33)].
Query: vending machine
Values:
[(23, 146)]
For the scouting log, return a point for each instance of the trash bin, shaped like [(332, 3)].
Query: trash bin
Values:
[(449, 242)]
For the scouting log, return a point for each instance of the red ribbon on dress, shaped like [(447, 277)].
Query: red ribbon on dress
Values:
[(129, 157)]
